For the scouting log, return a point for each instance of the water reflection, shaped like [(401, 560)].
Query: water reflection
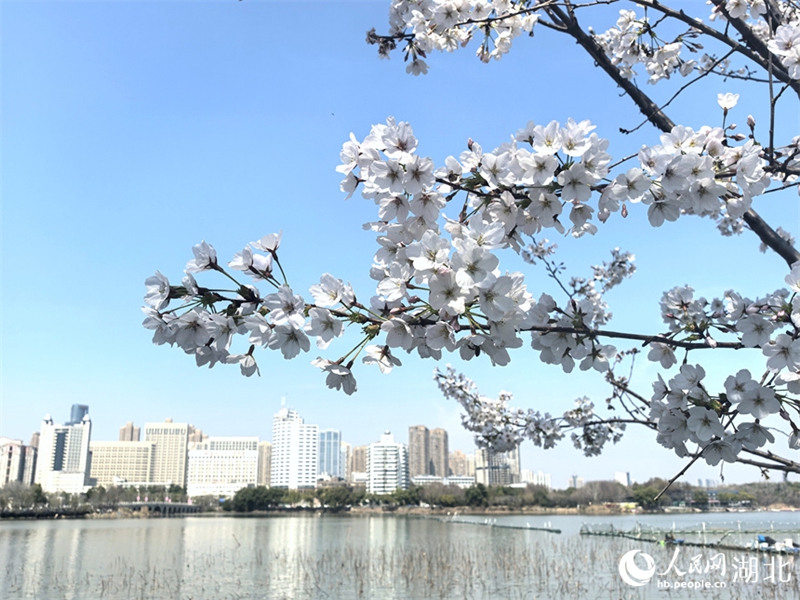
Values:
[(330, 557)]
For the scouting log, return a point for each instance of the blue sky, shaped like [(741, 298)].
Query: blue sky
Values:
[(132, 131)]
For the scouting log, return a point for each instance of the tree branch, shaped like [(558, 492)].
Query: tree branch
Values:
[(681, 472), (768, 235), (787, 465), (758, 46), (660, 120), (648, 108), (646, 339), (717, 35), (681, 89)]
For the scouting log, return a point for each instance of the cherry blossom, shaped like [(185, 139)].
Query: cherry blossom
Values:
[(158, 290)]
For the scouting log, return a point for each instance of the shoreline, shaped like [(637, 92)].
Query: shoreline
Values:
[(413, 511)]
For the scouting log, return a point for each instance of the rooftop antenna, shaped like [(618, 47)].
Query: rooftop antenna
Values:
[(283, 401)]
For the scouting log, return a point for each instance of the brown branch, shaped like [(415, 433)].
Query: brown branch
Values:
[(768, 235), (654, 114), (681, 90), (658, 118), (756, 57), (648, 108), (618, 384), (646, 339), (787, 464), (681, 472), (758, 46)]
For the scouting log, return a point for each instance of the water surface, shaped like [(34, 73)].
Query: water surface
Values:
[(382, 557)]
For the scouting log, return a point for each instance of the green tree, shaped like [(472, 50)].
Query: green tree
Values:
[(334, 497), (408, 497), (292, 497), (447, 500), (645, 496), (255, 498), (541, 497), (477, 495)]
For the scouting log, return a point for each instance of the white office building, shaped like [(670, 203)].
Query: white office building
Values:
[(17, 462), (169, 453), (295, 449), (116, 463), (221, 466), (462, 481), (537, 478), (623, 478), (387, 466), (426, 480), (63, 461)]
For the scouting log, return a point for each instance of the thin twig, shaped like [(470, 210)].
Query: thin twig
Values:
[(680, 91), (682, 471)]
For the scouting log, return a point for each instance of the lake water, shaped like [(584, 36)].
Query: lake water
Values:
[(383, 557)]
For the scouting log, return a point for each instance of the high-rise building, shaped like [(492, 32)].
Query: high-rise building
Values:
[(63, 457), (196, 435), (460, 463), (622, 478), (387, 466), (295, 447), (419, 453), (29, 473), (497, 468), (12, 460), (221, 466), (347, 461), (77, 413), (358, 461), (264, 463), (575, 482), (115, 463), (330, 454), (439, 453), (170, 451), (31, 456), (129, 433)]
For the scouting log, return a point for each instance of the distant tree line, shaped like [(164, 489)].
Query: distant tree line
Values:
[(16, 497), (480, 496)]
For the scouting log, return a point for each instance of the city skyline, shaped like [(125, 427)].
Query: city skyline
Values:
[(560, 479), (148, 462), (305, 457), (129, 432)]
